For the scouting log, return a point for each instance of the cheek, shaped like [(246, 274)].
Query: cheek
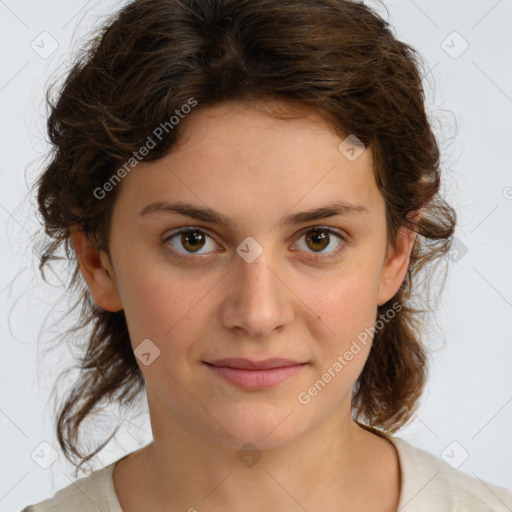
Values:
[(347, 303), (162, 304), (348, 308)]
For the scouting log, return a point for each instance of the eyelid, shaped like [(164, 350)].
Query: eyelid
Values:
[(344, 238)]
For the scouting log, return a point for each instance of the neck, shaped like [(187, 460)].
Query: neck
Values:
[(337, 466)]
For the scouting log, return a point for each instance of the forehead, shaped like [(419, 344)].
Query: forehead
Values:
[(234, 157), (257, 127)]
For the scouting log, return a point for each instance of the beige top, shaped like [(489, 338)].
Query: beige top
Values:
[(428, 484)]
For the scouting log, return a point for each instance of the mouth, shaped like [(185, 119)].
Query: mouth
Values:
[(255, 375)]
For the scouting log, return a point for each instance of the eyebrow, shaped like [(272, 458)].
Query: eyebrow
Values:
[(208, 215)]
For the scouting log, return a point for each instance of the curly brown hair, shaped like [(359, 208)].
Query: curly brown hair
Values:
[(336, 57)]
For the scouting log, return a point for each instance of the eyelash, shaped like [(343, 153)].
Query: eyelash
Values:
[(317, 257)]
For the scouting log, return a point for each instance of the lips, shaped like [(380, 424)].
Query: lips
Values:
[(247, 364), (255, 375)]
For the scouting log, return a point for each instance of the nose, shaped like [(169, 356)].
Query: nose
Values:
[(258, 300)]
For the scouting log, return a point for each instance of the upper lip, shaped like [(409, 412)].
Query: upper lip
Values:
[(247, 364)]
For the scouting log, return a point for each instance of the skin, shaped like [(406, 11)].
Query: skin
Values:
[(253, 168)]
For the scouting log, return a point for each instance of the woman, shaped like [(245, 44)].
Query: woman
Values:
[(248, 190)]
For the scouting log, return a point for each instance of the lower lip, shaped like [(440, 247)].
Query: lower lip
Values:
[(256, 379)]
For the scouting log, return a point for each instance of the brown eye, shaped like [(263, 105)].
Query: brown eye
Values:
[(320, 238), (190, 240), (317, 240)]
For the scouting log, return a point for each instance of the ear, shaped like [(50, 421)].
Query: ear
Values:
[(97, 271), (395, 267)]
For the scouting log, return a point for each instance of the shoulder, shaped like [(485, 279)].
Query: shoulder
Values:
[(429, 483), (88, 494)]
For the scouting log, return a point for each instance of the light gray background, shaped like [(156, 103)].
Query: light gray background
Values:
[(469, 96)]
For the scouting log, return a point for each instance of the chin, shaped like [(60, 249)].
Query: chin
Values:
[(265, 427)]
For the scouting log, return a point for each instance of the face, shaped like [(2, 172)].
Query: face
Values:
[(259, 287)]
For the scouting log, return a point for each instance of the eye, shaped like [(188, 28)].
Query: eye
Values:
[(320, 237), (193, 240)]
